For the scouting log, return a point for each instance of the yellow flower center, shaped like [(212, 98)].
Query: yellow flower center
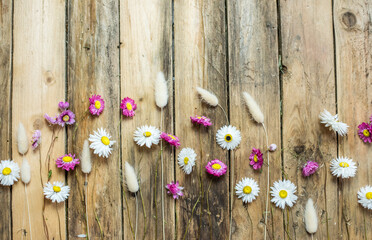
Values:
[(283, 193), (67, 159), (97, 104), (366, 133), (172, 137), (247, 190), (147, 134), (7, 171), (344, 164), (66, 118), (56, 189), (216, 166), (369, 195), (129, 106), (105, 140), (228, 137), (255, 158), (186, 160)]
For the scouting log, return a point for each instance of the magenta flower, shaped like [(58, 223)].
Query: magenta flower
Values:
[(66, 117), (129, 106), (36, 139), (256, 158), (67, 162), (309, 168), (216, 168), (96, 105), (201, 120), (171, 139), (63, 105), (175, 189), (51, 120), (365, 132)]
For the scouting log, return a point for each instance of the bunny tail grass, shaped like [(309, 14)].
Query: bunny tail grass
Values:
[(86, 163), (25, 172), (161, 91), (22, 139), (208, 96), (131, 178), (253, 107), (310, 217)]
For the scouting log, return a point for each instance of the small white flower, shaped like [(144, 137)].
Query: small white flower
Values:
[(9, 172), (343, 167), (56, 192), (365, 197), (228, 137), (333, 123), (272, 147), (247, 189), (186, 159), (101, 143), (147, 135), (283, 193)]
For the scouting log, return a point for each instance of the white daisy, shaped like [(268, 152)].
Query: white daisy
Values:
[(101, 142), (365, 197), (9, 172), (56, 192), (332, 121), (186, 159), (343, 167), (228, 137), (283, 193), (247, 189), (147, 135)]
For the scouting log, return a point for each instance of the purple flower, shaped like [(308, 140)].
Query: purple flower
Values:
[(175, 189), (171, 139), (256, 159), (201, 120), (63, 105), (272, 147), (216, 168), (50, 119), (67, 162), (309, 168), (128, 106), (365, 132), (96, 105), (66, 117), (36, 139)]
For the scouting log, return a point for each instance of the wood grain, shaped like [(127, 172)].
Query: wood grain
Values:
[(38, 86), (5, 111), (308, 89), (353, 43), (145, 50), (253, 67), (200, 61), (93, 68)]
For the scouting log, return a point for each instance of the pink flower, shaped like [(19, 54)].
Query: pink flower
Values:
[(256, 158), (67, 162), (216, 168), (96, 105), (171, 139), (63, 105), (66, 117), (365, 132), (129, 106), (51, 120), (36, 139), (272, 147), (201, 120), (175, 189), (309, 168)]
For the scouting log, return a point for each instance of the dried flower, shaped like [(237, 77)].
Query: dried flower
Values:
[(365, 132), (36, 139), (97, 104), (283, 193), (131, 178), (272, 147), (175, 189), (171, 139), (207, 96), (66, 117), (57, 192), (256, 159), (186, 159), (9, 172), (22, 139), (365, 197), (310, 217), (128, 106), (253, 107), (67, 162), (201, 120), (63, 105), (25, 172), (147, 135), (228, 137), (161, 91), (247, 189), (310, 168), (333, 123), (101, 142), (216, 168), (86, 163), (343, 167)]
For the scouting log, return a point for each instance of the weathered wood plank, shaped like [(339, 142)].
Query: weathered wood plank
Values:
[(308, 89), (352, 21), (253, 67), (5, 111), (200, 61), (145, 36), (93, 68), (38, 85)]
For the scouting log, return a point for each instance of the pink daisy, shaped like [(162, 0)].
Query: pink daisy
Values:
[(51, 120), (309, 168), (171, 139), (256, 158), (96, 105), (365, 132), (36, 139), (63, 105), (216, 168), (129, 106), (67, 162), (66, 117), (201, 120), (175, 189)]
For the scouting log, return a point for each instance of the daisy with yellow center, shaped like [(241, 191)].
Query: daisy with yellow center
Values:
[(56, 192), (67, 162), (247, 189), (101, 143), (9, 172), (364, 132), (128, 106), (97, 104), (228, 137), (147, 135), (365, 197), (216, 168), (186, 159), (343, 167), (283, 193)]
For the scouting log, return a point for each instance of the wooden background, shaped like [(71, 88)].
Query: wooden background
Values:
[(295, 57)]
